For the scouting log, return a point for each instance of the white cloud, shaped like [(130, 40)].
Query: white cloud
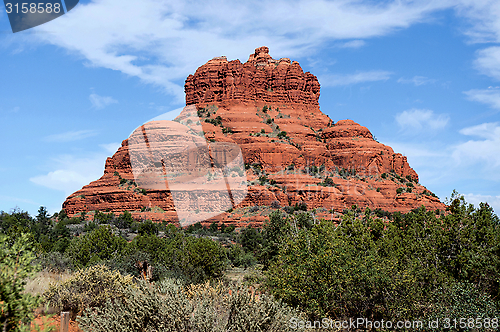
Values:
[(487, 130), (489, 97), (416, 80), (100, 102), (169, 116), (417, 120), (485, 151), (162, 41), (110, 147), (359, 77), (493, 201), (485, 28), (488, 62), (483, 16), (72, 173), (70, 136), (353, 44)]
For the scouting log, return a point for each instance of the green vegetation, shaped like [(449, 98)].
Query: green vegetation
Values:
[(417, 266), (420, 265), (16, 308)]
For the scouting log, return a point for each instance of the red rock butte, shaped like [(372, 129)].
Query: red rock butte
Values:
[(293, 152)]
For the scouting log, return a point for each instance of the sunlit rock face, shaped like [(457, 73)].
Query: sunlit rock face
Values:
[(251, 134)]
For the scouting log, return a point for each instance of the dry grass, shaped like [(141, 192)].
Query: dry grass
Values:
[(40, 282), (236, 274)]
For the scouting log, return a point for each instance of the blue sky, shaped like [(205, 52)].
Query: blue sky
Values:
[(423, 76)]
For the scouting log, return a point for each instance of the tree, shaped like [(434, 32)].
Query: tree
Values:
[(148, 228), (100, 244), (250, 239), (274, 232)]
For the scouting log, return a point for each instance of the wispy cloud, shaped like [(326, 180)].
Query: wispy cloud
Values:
[(485, 150), (162, 41), (493, 201), (417, 120), (489, 130), (416, 80), (100, 102), (353, 44), (70, 136), (110, 147), (484, 28), (359, 77), (71, 173), (70, 179), (483, 17), (488, 62), (489, 97)]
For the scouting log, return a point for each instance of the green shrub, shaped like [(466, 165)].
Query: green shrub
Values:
[(88, 288), (103, 218), (399, 190), (250, 239), (148, 228), (328, 182), (239, 258), (16, 307), (282, 134), (124, 220), (98, 245), (200, 259), (195, 259)]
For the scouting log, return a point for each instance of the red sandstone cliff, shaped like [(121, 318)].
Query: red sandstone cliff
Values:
[(294, 153)]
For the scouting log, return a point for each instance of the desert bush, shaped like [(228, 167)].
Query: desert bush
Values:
[(88, 288), (462, 301), (170, 306)]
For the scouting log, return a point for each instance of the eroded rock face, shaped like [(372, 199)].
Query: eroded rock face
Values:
[(293, 152), (260, 78)]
